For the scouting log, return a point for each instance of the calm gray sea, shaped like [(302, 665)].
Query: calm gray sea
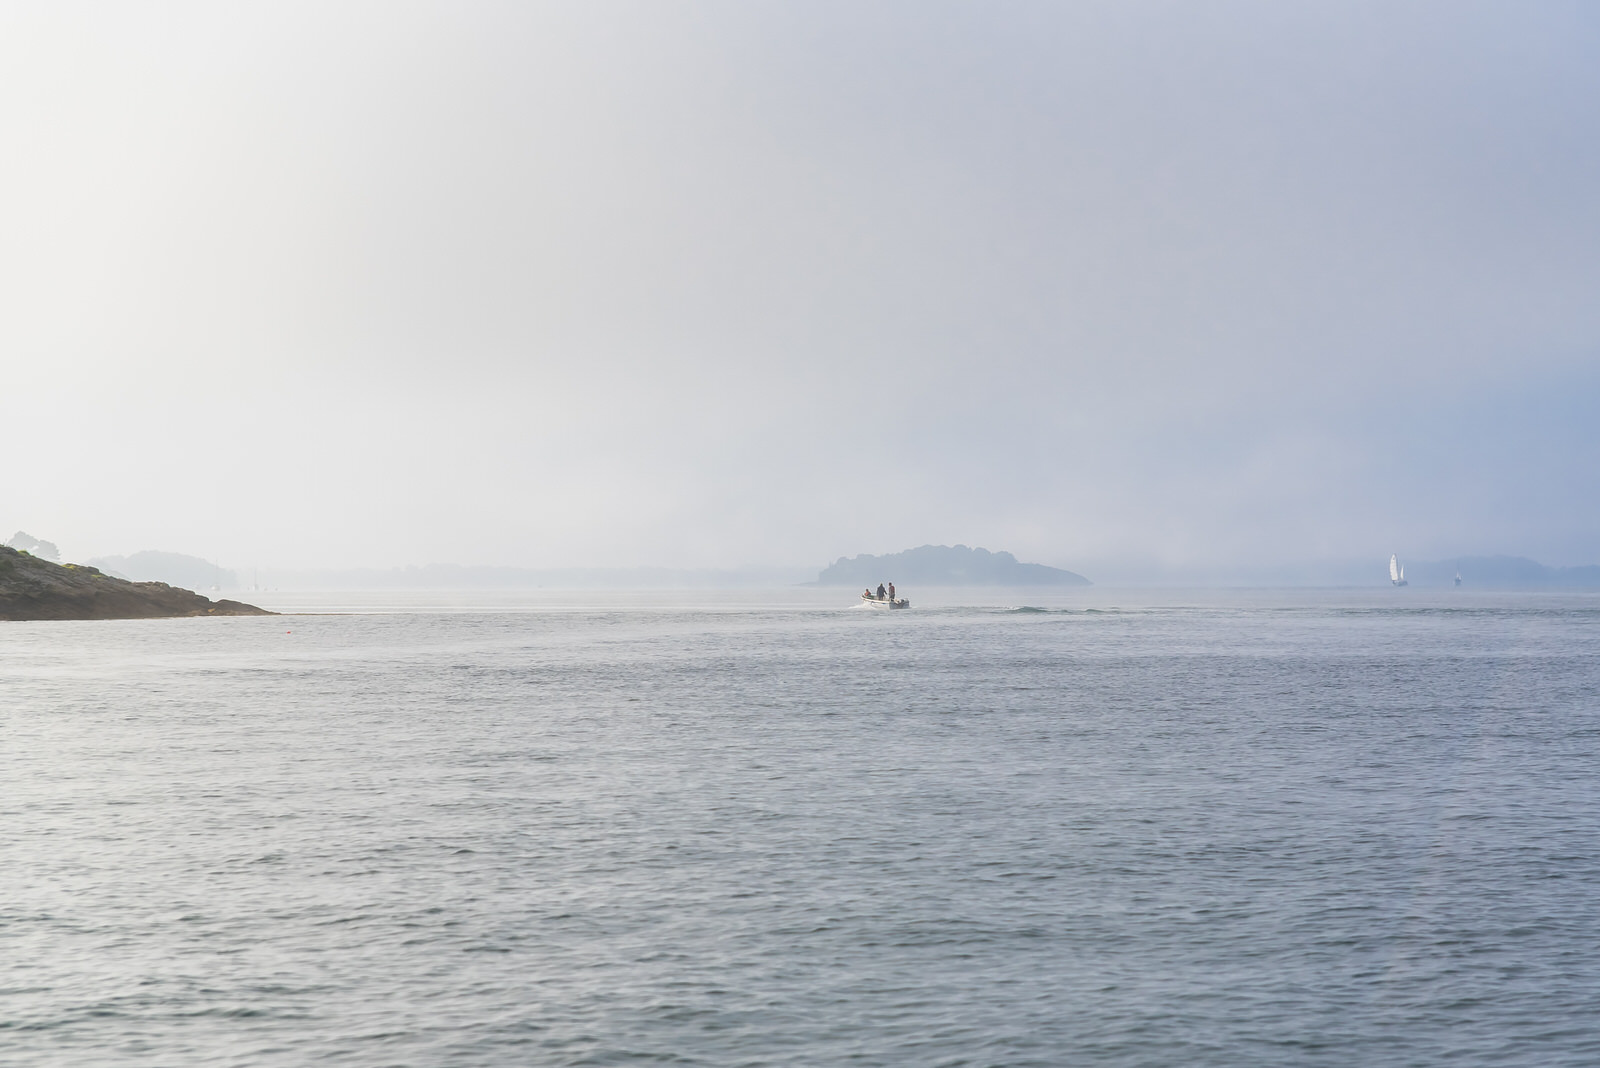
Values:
[(1222, 828)]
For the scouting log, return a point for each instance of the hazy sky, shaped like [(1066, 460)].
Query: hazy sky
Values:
[(740, 283)]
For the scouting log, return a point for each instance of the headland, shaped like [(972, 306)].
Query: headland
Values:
[(31, 588)]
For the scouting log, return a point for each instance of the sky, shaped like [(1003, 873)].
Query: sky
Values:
[(692, 285)]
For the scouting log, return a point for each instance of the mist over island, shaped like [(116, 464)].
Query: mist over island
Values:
[(927, 565), (176, 569), (944, 565), (1502, 573)]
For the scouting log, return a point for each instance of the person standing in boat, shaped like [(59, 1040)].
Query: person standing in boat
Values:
[(881, 593), (891, 592)]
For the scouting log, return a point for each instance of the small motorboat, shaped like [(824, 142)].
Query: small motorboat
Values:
[(872, 601)]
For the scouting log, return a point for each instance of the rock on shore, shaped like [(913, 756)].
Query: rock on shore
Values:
[(31, 588)]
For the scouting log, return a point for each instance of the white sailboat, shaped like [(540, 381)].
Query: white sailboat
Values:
[(1397, 571)]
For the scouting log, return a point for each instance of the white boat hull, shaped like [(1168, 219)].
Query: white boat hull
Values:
[(884, 602)]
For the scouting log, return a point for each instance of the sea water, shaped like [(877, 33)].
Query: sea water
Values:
[(1098, 828)]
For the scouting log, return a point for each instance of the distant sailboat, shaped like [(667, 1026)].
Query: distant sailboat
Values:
[(1458, 576), (1397, 572)]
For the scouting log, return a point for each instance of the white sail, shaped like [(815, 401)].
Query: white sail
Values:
[(1394, 567)]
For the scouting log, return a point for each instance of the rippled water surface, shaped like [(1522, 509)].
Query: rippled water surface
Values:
[(1189, 829)]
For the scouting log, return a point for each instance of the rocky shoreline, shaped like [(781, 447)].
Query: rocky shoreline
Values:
[(31, 588)]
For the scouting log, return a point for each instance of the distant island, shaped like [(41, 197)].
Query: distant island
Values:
[(37, 546), (1502, 573), (944, 565), (31, 588), (175, 569)]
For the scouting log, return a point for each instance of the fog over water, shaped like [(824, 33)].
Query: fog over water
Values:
[(1114, 286)]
